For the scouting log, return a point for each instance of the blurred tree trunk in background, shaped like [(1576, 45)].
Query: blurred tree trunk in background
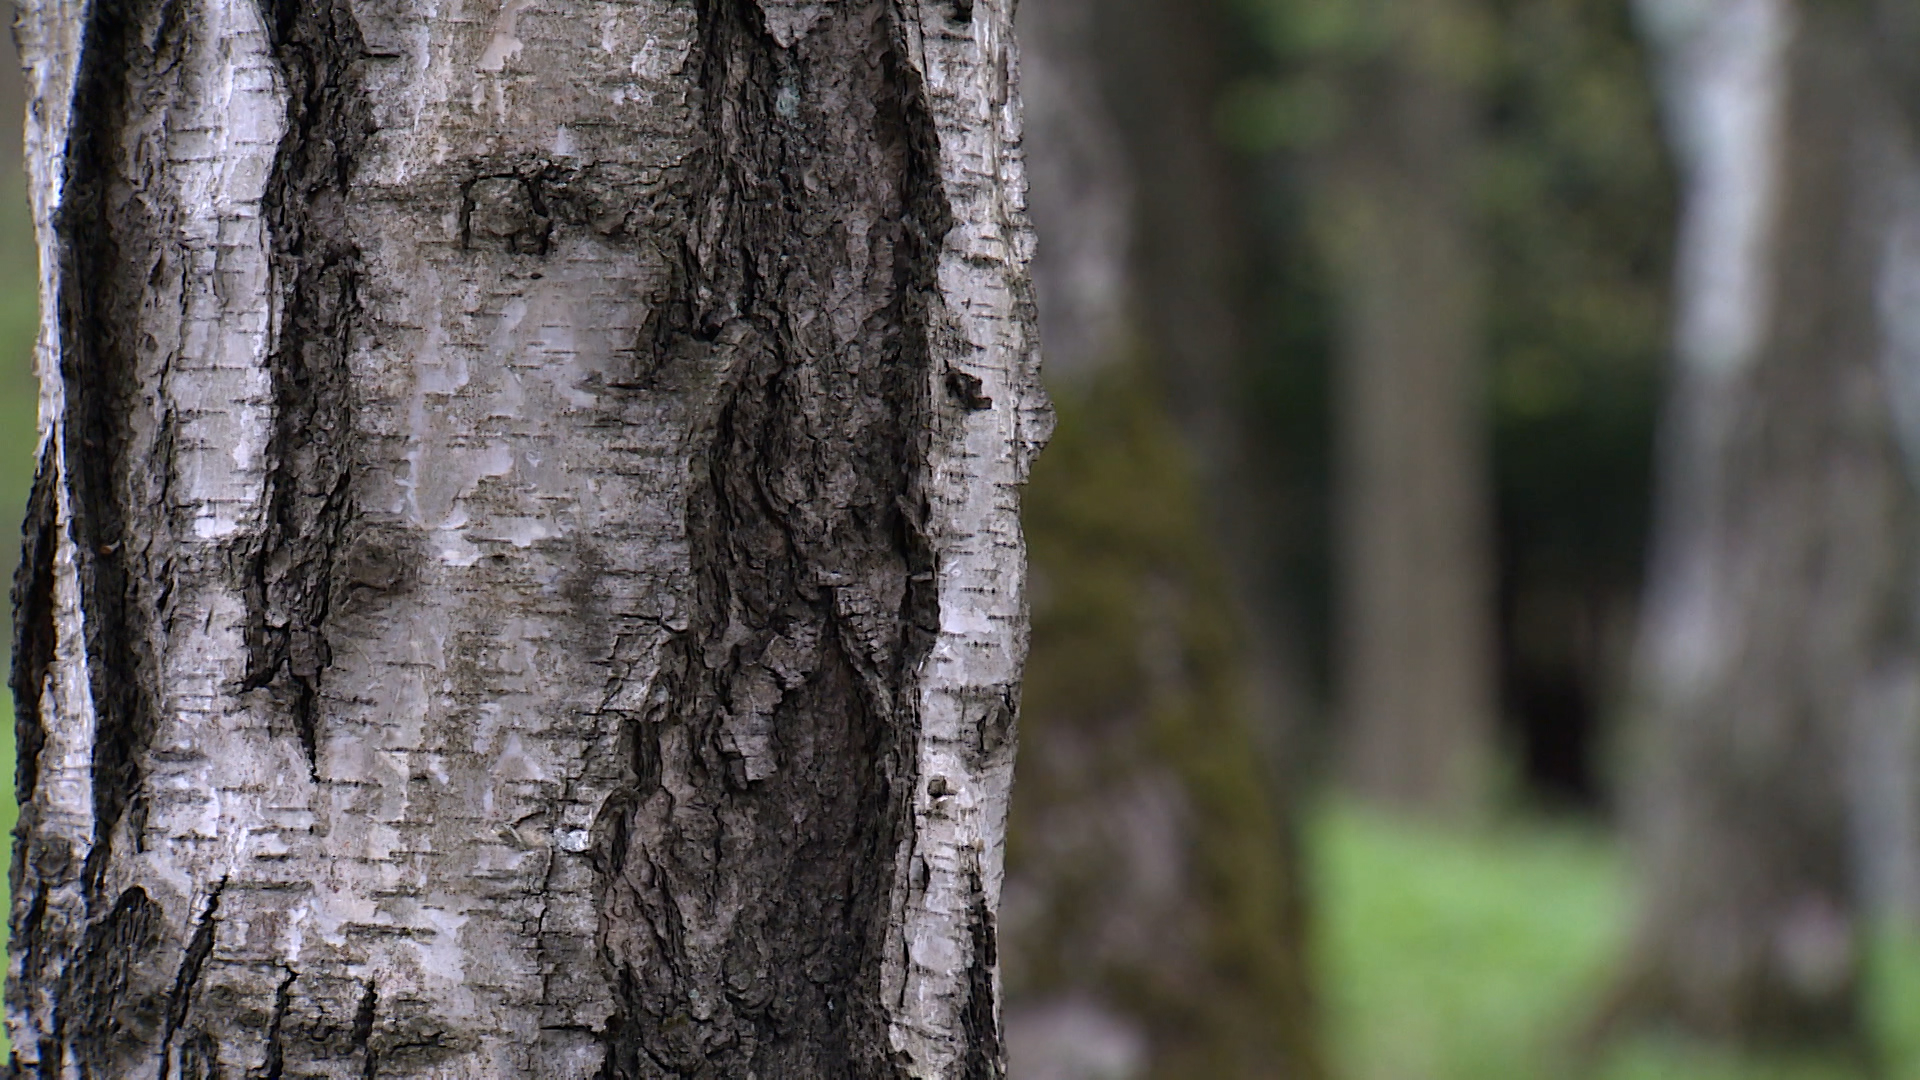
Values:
[(1153, 924), (1416, 661), (1771, 794)]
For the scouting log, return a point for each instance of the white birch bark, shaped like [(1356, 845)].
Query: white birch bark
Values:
[(1771, 804), (525, 576)]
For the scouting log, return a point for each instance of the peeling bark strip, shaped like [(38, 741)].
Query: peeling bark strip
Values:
[(525, 579)]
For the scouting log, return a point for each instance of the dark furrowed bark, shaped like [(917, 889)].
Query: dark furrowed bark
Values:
[(316, 266), (111, 999), (773, 772), (129, 54), (33, 629), (192, 963), (985, 1057)]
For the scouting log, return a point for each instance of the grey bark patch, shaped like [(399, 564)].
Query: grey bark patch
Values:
[(502, 43), (200, 1058), (502, 212), (789, 21), (374, 562)]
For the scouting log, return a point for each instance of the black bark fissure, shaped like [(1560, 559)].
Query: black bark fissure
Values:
[(787, 705), (33, 629), (34, 635), (316, 266), (275, 1061), (363, 1020), (108, 241), (192, 962), (985, 1059)]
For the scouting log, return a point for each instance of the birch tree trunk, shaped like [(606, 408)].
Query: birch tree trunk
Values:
[(1772, 801), (524, 578)]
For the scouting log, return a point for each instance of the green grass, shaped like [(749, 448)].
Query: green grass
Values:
[(1445, 955), (1455, 956)]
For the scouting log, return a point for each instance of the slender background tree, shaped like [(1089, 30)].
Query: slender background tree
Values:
[(1394, 209)]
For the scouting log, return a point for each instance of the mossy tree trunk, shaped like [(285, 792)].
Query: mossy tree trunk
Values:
[(524, 578), (1771, 797), (1154, 923)]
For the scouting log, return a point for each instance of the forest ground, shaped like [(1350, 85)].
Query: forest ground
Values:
[(1451, 956)]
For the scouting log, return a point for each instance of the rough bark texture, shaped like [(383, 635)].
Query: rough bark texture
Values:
[(525, 575), (1772, 801), (1415, 611), (1154, 922)]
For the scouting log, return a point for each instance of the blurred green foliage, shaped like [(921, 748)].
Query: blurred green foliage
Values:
[(1578, 211), (19, 393)]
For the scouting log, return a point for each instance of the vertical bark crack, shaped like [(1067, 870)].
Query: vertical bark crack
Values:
[(316, 263), (785, 722), (363, 1021), (985, 1059), (199, 947), (275, 1060), (130, 50), (33, 628)]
